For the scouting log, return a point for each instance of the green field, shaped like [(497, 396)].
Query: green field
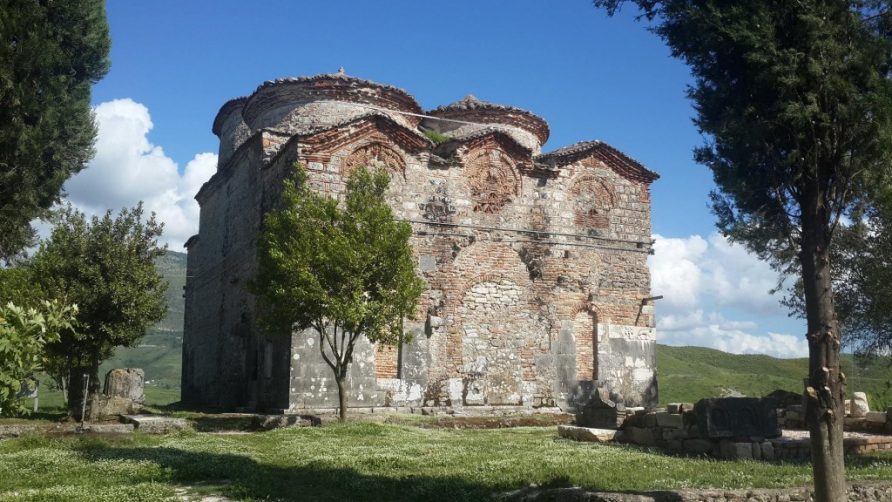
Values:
[(362, 461)]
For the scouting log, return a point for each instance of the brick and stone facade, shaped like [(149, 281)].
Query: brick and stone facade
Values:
[(536, 264)]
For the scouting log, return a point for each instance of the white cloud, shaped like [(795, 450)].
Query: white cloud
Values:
[(128, 168), (686, 269), (702, 278), (736, 341)]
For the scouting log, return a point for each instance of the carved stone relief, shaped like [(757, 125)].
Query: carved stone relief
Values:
[(492, 179)]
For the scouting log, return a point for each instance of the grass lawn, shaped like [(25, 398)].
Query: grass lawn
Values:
[(363, 461)]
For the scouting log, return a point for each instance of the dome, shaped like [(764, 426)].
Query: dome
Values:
[(275, 102), (471, 109)]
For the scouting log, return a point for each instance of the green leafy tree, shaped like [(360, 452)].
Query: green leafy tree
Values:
[(107, 267), (24, 334), (342, 271), (795, 100), (51, 52), (861, 255)]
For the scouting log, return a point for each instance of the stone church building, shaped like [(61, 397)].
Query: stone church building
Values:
[(536, 263)]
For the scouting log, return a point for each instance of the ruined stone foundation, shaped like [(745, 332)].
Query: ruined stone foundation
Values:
[(536, 263)]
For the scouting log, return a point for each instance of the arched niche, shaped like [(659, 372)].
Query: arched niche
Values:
[(593, 200)]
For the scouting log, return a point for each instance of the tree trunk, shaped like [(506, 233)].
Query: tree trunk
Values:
[(342, 400), (76, 395), (825, 387)]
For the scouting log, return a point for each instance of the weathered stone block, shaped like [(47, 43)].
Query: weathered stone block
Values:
[(586, 434), (128, 383), (697, 446), (669, 420), (860, 406), (767, 450), (649, 420), (151, 424), (103, 406), (876, 417), (600, 413), (640, 435), (737, 417), (732, 450), (671, 434)]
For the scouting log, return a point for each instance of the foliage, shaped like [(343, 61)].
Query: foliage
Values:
[(436, 136), (343, 271), (16, 286), (362, 461), (861, 257), (24, 334), (107, 267), (51, 53)]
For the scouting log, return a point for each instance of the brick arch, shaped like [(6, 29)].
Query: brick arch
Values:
[(495, 329), (592, 198), (493, 260)]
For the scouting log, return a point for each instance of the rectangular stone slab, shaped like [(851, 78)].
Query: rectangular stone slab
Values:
[(737, 417)]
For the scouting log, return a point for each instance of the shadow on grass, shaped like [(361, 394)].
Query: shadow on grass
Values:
[(242, 477)]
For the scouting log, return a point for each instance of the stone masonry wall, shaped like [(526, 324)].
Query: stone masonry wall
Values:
[(537, 275)]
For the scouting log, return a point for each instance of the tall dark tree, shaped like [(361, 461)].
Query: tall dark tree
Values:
[(105, 266), (796, 103), (51, 52)]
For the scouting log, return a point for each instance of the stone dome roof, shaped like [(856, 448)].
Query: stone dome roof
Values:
[(471, 109), (339, 87), (226, 110)]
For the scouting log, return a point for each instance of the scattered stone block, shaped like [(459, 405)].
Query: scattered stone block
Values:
[(669, 420), (767, 450), (673, 408), (109, 406), (697, 446), (860, 406), (601, 412), (733, 450), (876, 417), (154, 424), (737, 417), (586, 434), (127, 383), (269, 422), (643, 436), (107, 428), (670, 434)]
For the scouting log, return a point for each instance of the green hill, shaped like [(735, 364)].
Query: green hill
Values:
[(687, 374)]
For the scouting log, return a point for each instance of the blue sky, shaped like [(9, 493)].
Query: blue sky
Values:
[(175, 63)]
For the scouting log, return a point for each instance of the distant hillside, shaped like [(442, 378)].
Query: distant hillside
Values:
[(685, 373)]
